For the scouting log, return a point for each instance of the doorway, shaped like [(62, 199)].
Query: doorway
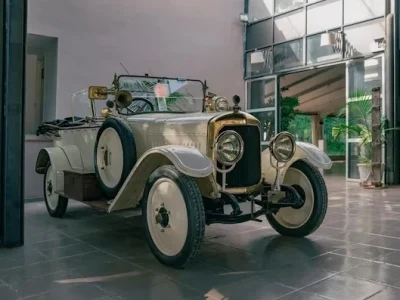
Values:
[(362, 76)]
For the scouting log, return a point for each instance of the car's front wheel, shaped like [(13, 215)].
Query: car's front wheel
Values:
[(310, 185), (174, 216)]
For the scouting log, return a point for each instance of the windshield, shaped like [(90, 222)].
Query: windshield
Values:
[(151, 94), (81, 106)]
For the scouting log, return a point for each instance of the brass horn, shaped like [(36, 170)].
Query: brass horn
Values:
[(123, 98)]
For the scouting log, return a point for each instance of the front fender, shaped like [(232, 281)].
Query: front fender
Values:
[(189, 161), (307, 151)]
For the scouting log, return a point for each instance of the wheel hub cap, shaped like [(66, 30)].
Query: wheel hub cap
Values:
[(162, 217)]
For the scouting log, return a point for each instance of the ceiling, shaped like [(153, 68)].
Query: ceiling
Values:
[(320, 91)]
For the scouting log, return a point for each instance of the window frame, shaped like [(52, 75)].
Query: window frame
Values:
[(305, 62)]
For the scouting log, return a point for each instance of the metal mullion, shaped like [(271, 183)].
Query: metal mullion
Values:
[(288, 41), (323, 31), (288, 11), (363, 21), (260, 20), (305, 36), (262, 78), (258, 49), (264, 109)]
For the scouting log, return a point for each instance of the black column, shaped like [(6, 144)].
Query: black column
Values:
[(12, 111)]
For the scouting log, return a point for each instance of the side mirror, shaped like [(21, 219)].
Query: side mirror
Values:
[(98, 93)]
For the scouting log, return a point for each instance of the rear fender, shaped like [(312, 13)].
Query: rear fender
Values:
[(61, 159), (187, 160), (307, 151)]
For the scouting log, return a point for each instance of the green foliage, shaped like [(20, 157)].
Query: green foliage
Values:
[(288, 113), (300, 127), (359, 124), (334, 146)]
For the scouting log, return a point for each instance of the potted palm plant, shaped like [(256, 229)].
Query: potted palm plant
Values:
[(359, 126)]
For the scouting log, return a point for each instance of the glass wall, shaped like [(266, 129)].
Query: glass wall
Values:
[(287, 34)]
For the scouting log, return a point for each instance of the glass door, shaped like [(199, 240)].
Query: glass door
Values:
[(261, 102), (361, 77)]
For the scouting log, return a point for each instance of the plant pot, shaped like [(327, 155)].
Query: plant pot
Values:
[(364, 171)]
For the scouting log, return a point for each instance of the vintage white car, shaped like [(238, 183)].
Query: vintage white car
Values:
[(157, 144)]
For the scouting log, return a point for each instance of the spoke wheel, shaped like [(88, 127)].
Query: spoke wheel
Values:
[(56, 204), (310, 185), (174, 216)]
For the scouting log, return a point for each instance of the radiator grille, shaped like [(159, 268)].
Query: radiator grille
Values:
[(247, 171)]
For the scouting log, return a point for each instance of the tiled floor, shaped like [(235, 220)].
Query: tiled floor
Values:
[(91, 255)]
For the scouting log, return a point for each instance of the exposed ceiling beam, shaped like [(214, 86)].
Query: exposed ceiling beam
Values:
[(318, 86), (331, 105), (304, 79), (308, 77), (323, 95)]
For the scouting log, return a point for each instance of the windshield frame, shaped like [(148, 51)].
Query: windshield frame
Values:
[(203, 85)]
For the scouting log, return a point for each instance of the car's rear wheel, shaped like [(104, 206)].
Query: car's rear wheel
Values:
[(56, 204), (174, 216), (310, 184), (115, 155)]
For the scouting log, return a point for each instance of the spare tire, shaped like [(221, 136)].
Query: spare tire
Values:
[(114, 155)]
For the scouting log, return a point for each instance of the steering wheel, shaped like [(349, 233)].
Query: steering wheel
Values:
[(135, 106)]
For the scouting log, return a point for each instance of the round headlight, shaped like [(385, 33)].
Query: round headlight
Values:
[(283, 147), (221, 104), (229, 147)]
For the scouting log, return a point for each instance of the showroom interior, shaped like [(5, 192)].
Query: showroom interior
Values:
[(319, 52), (296, 64)]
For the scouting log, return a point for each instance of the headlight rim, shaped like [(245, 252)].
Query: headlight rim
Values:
[(219, 99), (273, 145), (241, 149)]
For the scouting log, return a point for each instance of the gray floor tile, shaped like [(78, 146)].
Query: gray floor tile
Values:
[(343, 287), (296, 276), (253, 288), (392, 258), (385, 242), (39, 285), (36, 235), (7, 293), (353, 237), (387, 294), (78, 292), (146, 286), (379, 272), (70, 250), (364, 251), (303, 296), (335, 263), (199, 275), (19, 261), (58, 243)]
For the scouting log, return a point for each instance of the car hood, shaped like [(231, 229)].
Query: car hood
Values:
[(177, 118)]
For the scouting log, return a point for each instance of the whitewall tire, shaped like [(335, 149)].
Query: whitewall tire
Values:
[(56, 204), (310, 185), (174, 216)]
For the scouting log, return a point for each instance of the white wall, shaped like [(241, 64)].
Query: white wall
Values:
[(195, 39)]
